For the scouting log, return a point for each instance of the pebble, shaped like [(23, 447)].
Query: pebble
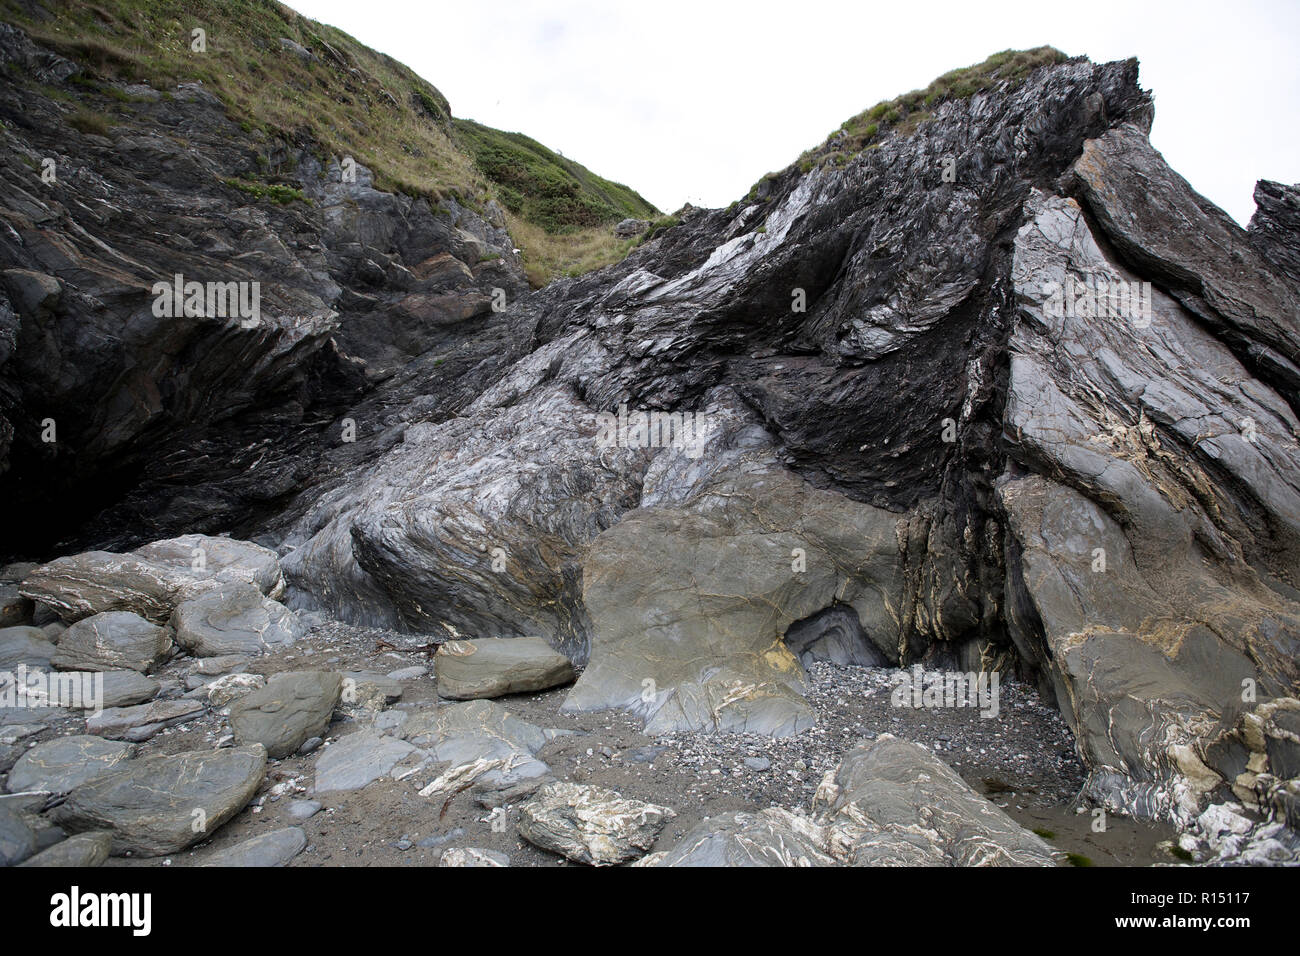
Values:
[(304, 809), (437, 841)]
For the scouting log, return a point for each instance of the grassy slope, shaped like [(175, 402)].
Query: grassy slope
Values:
[(557, 210), (545, 188), (351, 100)]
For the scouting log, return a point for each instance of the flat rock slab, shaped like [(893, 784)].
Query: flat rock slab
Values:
[(234, 619), (29, 646), (29, 716), (223, 664), (113, 640), (291, 708), (480, 729), (162, 804), (268, 849), (143, 721), (124, 688), (82, 585), (65, 763), (82, 849), (590, 824), (358, 760), (493, 667)]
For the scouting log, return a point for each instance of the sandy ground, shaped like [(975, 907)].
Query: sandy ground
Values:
[(1023, 761)]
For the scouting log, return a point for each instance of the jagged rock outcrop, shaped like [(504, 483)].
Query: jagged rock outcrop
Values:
[(967, 387), (976, 446), (120, 424), (1275, 227)]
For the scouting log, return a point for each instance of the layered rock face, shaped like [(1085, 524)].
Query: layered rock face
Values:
[(998, 391), (119, 424), (1009, 413)]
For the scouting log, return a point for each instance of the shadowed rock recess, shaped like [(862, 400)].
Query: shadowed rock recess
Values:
[(997, 391)]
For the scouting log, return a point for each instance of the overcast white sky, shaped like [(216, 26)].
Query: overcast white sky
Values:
[(692, 100)]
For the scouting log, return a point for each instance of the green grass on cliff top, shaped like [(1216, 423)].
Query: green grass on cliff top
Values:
[(349, 100), (545, 188), (904, 113)]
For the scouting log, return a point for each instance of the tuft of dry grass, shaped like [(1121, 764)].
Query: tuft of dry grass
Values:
[(550, 255), (85, 121)]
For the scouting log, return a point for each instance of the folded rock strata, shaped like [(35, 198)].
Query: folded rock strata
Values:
[(930, 461)]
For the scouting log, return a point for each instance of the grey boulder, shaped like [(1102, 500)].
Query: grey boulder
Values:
[(290, 709), (80, 850), (62, 764), (24, 645), (493, 667), (161, 804), (690, 603), (893, 803), (589, 824), (265, 850), (888, 803), (123, 688), (152, 580), (112, 640), (234, 619), (17, 839)]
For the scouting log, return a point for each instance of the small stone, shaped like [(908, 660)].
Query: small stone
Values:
[(434, 841), (408, 673)]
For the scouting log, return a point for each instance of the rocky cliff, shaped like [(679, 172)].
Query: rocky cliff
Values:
[(982, 385), (1010, 413)]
